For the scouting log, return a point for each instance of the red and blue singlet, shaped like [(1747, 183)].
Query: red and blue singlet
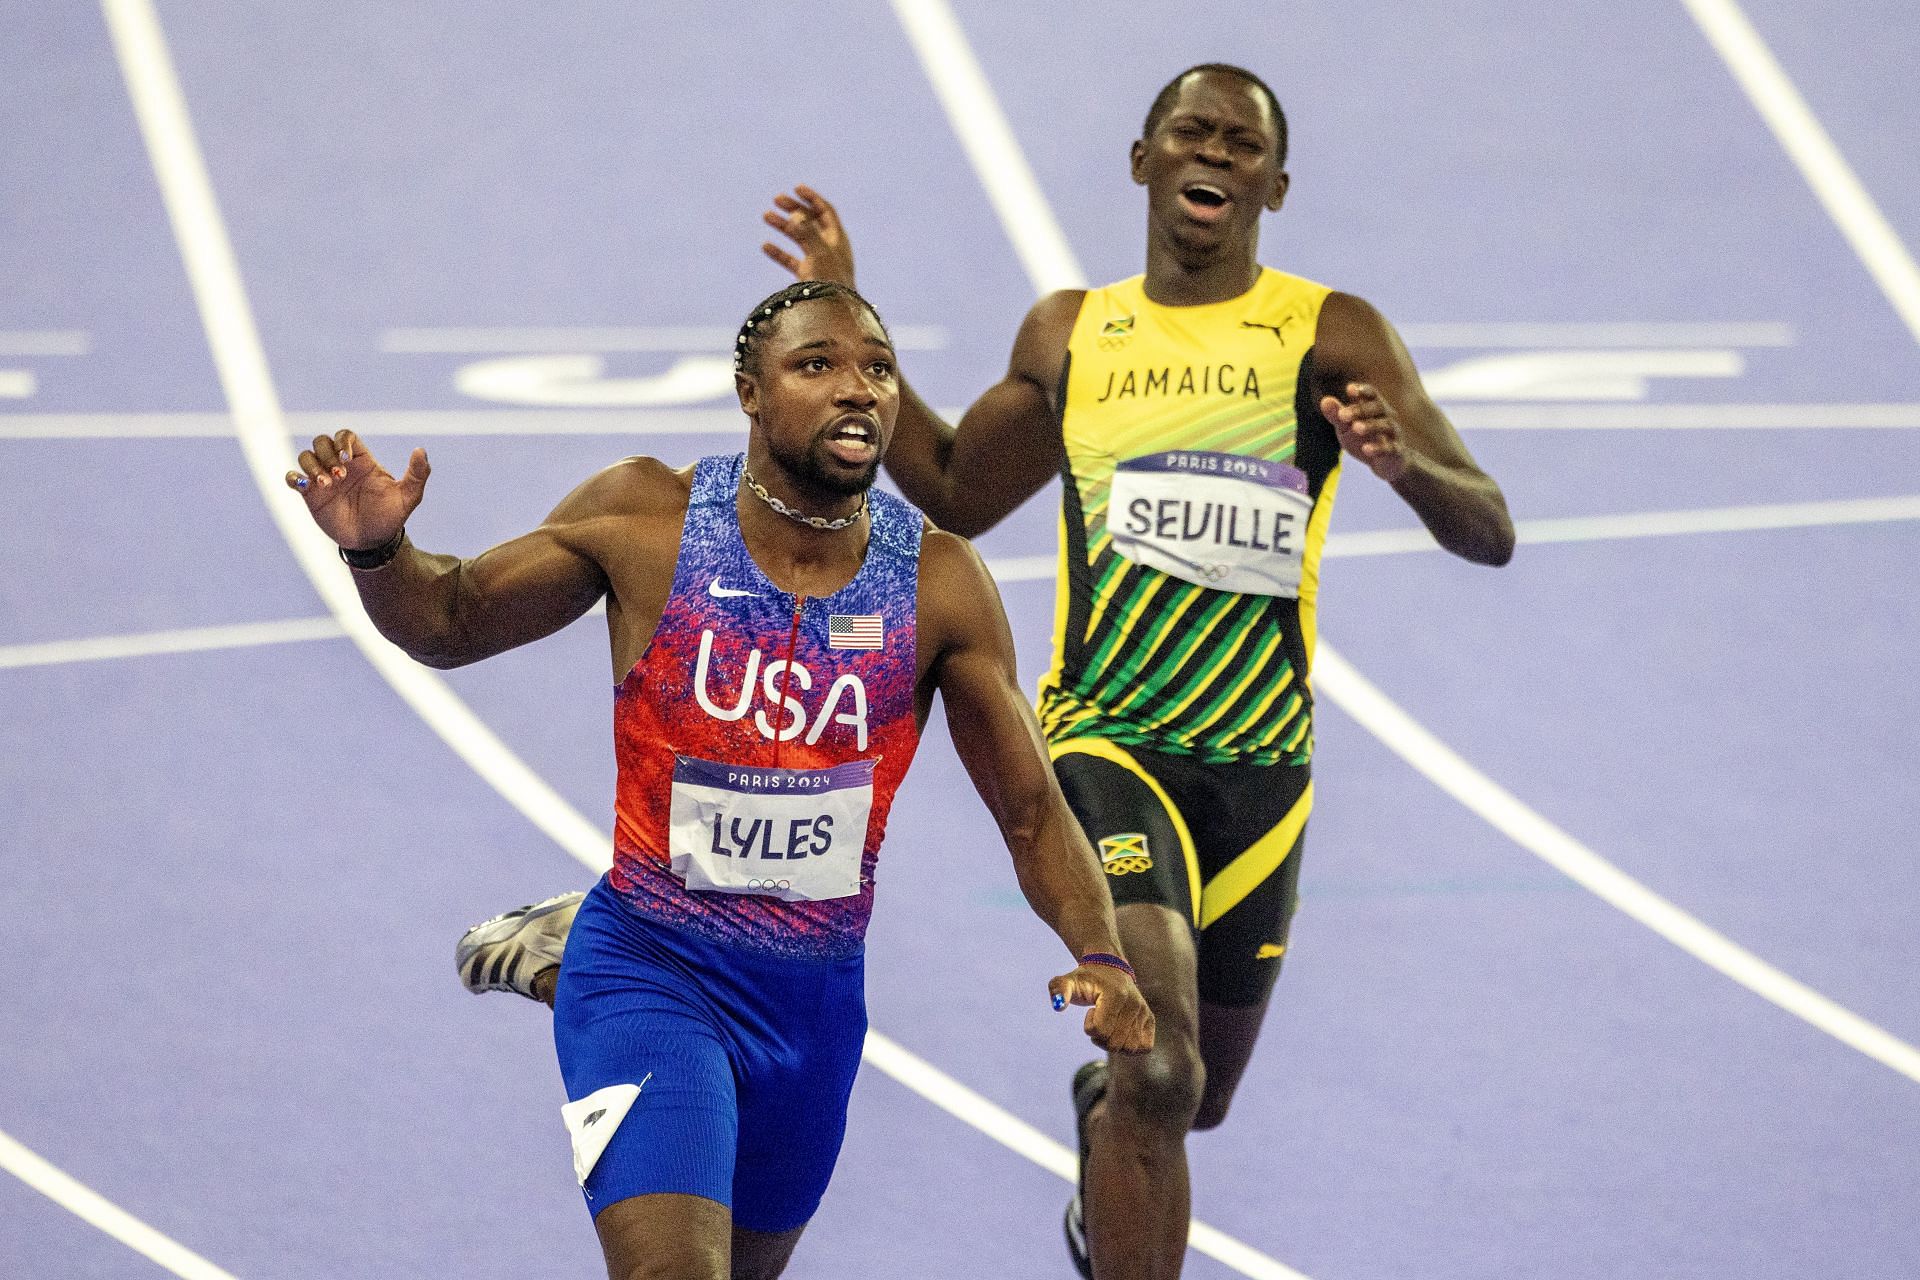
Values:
[(762, 735)]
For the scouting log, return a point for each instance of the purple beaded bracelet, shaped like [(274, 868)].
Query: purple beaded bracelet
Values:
[(1111, 961)]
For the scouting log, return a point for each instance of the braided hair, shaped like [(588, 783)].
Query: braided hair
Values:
[(766, 317)]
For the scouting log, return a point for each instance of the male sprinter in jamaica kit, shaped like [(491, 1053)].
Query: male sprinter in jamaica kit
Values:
[(778, 633), (1198, 415)]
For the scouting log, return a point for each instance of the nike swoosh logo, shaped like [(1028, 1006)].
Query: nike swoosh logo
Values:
[(719, 592)]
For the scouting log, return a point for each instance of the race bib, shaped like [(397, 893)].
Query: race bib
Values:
[(795, 834), (1220, 520)]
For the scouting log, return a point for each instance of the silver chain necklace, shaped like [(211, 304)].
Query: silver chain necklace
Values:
[(817, 522)]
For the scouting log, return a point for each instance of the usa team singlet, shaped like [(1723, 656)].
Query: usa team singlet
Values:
[(761, 736), (713, 985)]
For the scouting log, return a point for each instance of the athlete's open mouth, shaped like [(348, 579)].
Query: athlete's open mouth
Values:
[(1204, 203), (854, 438)]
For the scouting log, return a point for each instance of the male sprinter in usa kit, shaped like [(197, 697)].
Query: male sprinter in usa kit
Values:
[(778, 633), (1197, 415)]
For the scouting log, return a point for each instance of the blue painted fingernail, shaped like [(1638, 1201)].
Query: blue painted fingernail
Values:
[(301, 483), (1059, 1002)]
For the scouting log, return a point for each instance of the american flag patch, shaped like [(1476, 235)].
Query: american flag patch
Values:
[(854, 631)]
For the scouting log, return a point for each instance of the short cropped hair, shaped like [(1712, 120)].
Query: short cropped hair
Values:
[(1163, 101)]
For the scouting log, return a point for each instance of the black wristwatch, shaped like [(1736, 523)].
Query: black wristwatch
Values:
[(366, 558)]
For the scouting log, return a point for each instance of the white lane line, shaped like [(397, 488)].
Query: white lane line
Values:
[(1009, 569), (400, 424), (470, 341), (1566, 334), (1023, 568), (1808, 144), (45, 342), (1467, 415), (115, 426), (972, 1108), (1336, 678), (379, 423), (998, 161), (1040, 568), (95, 1210), (1471, 416), (186, 640), (1643, 524), (1661, 524), (1010, 1131), (1651, 524), (242, 362)]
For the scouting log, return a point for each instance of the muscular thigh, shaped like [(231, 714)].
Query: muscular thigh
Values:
[(1129, 803), (1249, 851), (699, 1070), (652, 1107), (1134, 824), (1219, 845), (796, 1075)]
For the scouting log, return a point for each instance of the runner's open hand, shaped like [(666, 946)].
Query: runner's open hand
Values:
[(1368, 430), (354, 499), (1120, 1020), (807, 219)]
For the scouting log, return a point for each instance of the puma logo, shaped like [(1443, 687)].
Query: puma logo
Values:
[(1274, 329)]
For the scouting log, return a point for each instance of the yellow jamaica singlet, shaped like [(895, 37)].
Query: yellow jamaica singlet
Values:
[(1199, 480)]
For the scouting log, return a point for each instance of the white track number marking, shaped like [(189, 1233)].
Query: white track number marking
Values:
[(17, 384), (580, 382)]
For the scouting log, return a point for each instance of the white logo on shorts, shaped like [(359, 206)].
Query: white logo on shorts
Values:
[(593, 1120)]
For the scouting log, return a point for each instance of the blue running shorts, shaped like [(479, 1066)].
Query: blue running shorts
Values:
[(743, 1063)]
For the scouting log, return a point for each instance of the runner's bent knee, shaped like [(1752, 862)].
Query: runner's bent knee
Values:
[(1161, 1089)]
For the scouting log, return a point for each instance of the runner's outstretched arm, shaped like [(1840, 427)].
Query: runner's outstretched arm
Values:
[(1007, 446), (999, 742), (445, 611), (1372, 394)]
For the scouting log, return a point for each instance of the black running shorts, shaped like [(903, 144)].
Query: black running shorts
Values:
[(1218, 843)]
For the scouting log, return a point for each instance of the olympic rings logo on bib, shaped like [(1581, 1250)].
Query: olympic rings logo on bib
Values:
[(1221, 520)]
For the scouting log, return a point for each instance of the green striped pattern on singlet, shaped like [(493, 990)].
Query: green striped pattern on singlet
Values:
[(1143, 657)]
